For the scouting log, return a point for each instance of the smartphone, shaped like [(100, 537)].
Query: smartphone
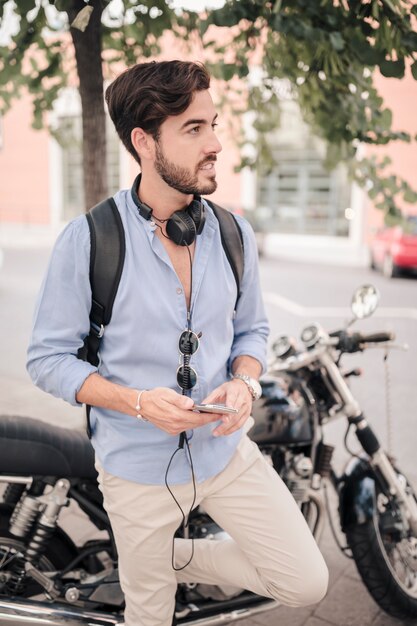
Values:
[(214, 408)]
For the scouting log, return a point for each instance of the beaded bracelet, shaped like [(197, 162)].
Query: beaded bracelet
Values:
[(137, 407)]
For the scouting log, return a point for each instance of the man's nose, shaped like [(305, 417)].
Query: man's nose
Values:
[(214, 145)]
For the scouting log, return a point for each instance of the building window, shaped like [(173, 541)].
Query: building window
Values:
[(298, 193), (70, 139)]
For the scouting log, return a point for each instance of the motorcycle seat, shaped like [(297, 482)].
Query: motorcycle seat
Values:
[(32, 447)]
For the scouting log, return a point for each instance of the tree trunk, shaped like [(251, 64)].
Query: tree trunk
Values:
[(87, 46)]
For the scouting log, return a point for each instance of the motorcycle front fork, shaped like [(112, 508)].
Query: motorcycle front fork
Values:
[(369, 442), (379, 460)]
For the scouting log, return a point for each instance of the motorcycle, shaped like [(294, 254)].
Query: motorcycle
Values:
[(305, 389), (45, 578)]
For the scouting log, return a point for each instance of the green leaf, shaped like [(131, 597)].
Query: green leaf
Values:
[(402, 136), (61, 5), (409, 40), (414, 69), (392, 69), (386, 118), (224, 18), (228, 70), (27, 5), (337, 41), (410, 195), (366, 53), (393, 5), (277, 6)]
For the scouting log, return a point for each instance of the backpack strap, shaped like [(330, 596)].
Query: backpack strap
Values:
[(232, 242), (108, 248)]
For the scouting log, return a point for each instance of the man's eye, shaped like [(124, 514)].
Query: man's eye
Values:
[(214, 125), (195, 130)]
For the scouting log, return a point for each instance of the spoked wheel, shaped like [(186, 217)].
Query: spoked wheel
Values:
[(11, 560), (385, 552)]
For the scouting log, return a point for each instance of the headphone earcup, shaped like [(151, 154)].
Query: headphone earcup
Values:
[(181, 228), (197, 212)]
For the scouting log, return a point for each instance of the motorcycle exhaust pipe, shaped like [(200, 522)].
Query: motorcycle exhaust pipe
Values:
[(25, 613)]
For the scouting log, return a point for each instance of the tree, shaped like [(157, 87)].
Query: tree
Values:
[(328, 50), (41, 59)]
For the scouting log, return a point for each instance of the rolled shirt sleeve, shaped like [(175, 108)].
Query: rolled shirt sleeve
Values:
[(251, 324), (61, 318)]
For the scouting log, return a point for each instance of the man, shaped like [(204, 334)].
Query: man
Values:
[(141, 400)]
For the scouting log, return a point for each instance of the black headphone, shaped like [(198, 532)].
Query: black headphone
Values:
[(183, 226)]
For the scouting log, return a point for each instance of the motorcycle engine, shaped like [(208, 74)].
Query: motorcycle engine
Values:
[(299, 477), (296, 470)]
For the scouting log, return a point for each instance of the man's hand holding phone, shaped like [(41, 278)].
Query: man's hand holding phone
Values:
[(222, 409), (233, 394)]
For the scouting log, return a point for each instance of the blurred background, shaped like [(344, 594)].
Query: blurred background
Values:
[(317, 116)]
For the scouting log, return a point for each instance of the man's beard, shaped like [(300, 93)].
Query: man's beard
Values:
[(182, 179)]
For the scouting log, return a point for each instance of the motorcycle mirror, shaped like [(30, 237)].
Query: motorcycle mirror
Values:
[(364, 301)]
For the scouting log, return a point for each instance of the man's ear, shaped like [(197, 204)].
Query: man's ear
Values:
[(143, 143)]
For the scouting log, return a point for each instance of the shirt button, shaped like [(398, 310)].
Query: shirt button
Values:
[(179, 291)]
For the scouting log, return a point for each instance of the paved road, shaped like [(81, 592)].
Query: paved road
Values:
[(295, 294)]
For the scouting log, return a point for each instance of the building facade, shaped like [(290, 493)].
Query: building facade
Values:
[(307, 211)]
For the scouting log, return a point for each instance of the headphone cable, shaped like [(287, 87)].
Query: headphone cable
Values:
[(183, 440)]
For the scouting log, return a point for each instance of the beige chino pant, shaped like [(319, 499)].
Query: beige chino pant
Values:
[(271, 550)]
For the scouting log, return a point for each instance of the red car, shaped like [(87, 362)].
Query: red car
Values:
[(395, 249)]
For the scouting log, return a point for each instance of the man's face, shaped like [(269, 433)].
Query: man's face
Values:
[(187, 147)]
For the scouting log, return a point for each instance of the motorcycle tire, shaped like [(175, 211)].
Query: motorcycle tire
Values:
[(60, 551), (369, 549)]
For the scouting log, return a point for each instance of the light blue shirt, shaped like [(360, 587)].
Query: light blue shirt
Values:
[(139, 348)]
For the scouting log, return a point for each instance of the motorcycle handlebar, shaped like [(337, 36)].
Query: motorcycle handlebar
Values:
[(339, 339), (355, 342), (380, 337)]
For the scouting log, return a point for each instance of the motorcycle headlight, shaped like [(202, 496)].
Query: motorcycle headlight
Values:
[(310, 335), (283, 347)]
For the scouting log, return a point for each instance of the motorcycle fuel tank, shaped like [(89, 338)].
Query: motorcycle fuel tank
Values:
[(283, 413)]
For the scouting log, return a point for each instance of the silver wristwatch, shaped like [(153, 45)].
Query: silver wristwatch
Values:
[(252, 384)]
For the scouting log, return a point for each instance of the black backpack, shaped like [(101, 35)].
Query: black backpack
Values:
[(106, 265)]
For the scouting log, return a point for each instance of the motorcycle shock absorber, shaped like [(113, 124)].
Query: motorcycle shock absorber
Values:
[(21, 523), (43, 528), (13, 493), (26, 510), (24, 515), (45, 525)]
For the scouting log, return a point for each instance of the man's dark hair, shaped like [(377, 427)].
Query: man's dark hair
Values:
[(145, 95)]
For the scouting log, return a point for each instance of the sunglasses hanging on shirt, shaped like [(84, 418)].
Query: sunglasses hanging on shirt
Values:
[(188, 344)]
